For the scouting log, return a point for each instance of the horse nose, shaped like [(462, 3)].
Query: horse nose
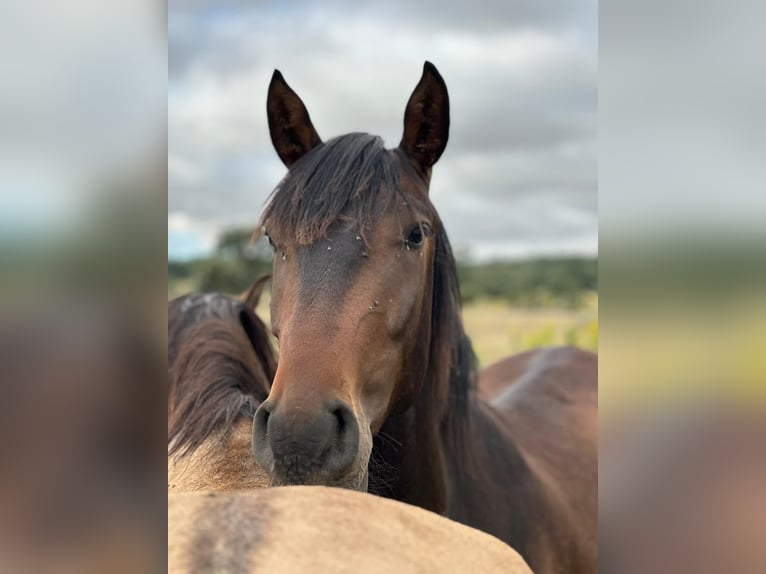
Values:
[(300, 446)]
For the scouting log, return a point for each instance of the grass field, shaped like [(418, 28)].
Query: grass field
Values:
[(498, 329)]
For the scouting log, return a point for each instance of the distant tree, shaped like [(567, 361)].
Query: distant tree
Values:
[(535, 283), (230, 275), (179, 269), (236, 264), (237, 244)]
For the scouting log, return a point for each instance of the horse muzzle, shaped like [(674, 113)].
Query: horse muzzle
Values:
[(298, 445)]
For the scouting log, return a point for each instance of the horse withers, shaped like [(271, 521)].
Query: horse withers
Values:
[(376, 386)]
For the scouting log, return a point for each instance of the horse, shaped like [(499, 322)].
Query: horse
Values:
[(291, 530), (221, 364), (376, 384)]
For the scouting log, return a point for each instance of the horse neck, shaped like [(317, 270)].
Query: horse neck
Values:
[(462, 469), (479, 471), (220, 464), (410, 451), (446, 444), (408, 460)]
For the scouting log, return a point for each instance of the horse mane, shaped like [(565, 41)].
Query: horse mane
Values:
[(359, 188), (252, 296), (223, 370), (311, 198), (452, 361)]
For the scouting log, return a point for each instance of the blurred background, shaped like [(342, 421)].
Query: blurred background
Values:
[(83, 91), (682, 206), (87, 98), (682, 285), (516, 187)]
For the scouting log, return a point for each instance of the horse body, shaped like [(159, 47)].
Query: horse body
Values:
[(548, 420), (376, 386), (530, 475), (495, 378), (290, 530)]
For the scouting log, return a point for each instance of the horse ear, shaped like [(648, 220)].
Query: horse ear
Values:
[(292, 132), (426, 120), (253, 295)]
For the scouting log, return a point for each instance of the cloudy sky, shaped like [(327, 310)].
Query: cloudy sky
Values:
[(519, 176), (82, 107)]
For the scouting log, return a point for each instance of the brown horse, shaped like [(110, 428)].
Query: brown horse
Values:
[(376, 386), (297, 529), (221, 364)]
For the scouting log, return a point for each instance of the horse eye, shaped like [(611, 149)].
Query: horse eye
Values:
[(416, 237), (271, 242)]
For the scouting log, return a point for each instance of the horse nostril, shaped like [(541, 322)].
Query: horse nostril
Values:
[(262, 413), (340, 421), (260, 446), (265, 421), (344, 447)]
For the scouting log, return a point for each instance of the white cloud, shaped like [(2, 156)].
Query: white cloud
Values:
[(179, 222), (183, 171)]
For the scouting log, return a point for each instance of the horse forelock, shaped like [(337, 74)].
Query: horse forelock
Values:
[(351, 179)]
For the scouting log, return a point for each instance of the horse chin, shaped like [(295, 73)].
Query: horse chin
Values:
[(352, 481), (297, 471), (356, 477), (356, 482)]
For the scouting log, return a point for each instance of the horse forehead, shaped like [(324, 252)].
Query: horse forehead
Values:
[(329, 266)]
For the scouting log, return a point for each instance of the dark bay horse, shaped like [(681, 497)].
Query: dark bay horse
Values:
[(376, 386), (220, 367)]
